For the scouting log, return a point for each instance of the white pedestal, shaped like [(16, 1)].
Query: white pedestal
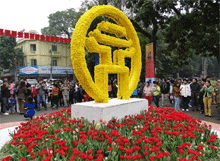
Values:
[(115, 108)]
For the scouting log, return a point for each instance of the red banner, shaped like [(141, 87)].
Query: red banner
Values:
[(33, 36), (1, 31), (7, 33), (20, 34), (65, 40), (37, 37), (26, 35), (61, 40), (47, 38), (14, 33), (149, 61), (52, 38)]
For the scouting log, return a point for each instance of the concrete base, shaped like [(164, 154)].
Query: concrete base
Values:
[(115, 108)]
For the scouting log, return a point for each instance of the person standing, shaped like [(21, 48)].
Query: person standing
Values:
[(11, 88), (109, 89), (115, 88), (5, 94), (34, 96), (171, 92), (201, 96), (156, 93), (140, 88), (216, 97), (185, 93), (195, 94), (28, 87), (71, 91), (148, 92), (55, 96), (74, 93), (65, 91), (21, 93), (176, 90), (49, 85), (165, 87), (207, 98), (79, 94), (41, 92), (12, 103), (60, 94)]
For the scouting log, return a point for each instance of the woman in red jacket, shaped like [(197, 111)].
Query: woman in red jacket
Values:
[(35, 96)]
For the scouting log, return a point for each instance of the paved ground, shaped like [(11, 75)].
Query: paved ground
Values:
[(196, 114), (17, 117)]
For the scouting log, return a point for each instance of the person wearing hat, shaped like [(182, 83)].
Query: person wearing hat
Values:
[(216, 96)]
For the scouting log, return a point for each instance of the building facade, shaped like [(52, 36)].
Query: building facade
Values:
[(45, 54), (40, 53)]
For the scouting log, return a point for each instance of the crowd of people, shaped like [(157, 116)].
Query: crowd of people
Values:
[(198, 95), (21, 97)]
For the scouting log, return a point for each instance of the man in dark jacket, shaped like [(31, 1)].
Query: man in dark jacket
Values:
[(140, 88), (201, 96), (195, 94), (41, 90), (5, 93), (165, 88), (28, 86)]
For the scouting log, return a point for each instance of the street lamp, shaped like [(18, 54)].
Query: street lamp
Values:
[(51, 67)]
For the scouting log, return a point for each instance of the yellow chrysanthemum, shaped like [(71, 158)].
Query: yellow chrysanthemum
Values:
[(126, 37)]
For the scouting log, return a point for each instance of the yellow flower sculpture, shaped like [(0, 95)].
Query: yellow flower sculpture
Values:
[(125, 38)]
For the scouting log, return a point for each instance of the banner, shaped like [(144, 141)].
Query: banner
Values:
[(55, 70), (149, 64), (29, 70), (45, 70), (34, 36)]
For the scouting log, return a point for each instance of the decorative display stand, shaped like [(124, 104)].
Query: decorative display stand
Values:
[(106, 111), (100, 40)]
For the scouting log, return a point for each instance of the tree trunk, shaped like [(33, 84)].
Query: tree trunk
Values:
[(205, 67), (178, 74)]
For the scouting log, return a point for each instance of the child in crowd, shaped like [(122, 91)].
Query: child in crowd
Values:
[(12, 104), (29, 106)]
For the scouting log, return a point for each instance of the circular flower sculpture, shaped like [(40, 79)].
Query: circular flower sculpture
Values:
[(125, 38)]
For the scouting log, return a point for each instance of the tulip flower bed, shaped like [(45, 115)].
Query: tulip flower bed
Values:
[(157, 134)]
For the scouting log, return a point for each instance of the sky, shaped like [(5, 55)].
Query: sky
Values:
[(31, 14)]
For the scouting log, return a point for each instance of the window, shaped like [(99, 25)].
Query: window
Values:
[(54, 48), (54, 62), (22, 48), (33, 47), (33, 62)]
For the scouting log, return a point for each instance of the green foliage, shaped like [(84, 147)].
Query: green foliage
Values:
[(196, 29), (10, 57), (190, 25), (61, 23)]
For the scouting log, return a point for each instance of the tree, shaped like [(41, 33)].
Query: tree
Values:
[(190, 25), (61, 23), (10, 57), (197, 29)]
